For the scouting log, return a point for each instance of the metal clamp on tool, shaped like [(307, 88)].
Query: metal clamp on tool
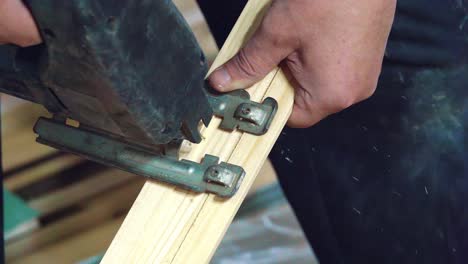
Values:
[(239, 112), (211, 176), (134, 80)]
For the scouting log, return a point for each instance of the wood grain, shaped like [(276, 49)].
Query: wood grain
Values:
[(64, 197), (19, 145), (168, 225), (41, 171), (75, 248), (96, 211)]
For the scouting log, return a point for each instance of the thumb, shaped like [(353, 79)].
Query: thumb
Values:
[(262, 53), (17, 25)]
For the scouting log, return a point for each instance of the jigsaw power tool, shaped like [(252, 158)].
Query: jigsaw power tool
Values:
[(132, 75)]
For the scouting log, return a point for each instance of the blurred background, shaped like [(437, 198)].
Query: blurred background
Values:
[(60, 208)]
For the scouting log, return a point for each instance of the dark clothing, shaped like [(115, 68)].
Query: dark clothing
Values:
[(386, 181)]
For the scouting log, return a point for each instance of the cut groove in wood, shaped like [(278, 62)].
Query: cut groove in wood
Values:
[(167, 225)]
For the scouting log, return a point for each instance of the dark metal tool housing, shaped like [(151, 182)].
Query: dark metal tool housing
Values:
[(132, 74), (129, 68)]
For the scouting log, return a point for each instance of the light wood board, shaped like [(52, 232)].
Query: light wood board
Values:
[(94, 212), (41, 171), (19, 145), (75, 248), (169, 225), (64, 197)]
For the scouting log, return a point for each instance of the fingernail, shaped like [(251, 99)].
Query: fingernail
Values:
[(220, 79)]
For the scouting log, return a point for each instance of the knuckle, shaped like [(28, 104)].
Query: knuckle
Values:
[(277, 34), (365, 88), (342, 102), (368, 92), (276, 26), (303, 123), (341, 99), (355, 90), (244, 65)]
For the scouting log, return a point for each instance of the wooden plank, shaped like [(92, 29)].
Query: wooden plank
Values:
[(41, 171), (79, 191), (97, 210), (19, 141), (212, 221), (167, 225), (22, 148), (18, 114), (76, 248)]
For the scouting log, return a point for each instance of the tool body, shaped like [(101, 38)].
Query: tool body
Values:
[(132, 74)]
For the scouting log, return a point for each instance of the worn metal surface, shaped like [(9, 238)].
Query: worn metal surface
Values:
[(238, 112), (132, 74), (222, 179), (128, 68)]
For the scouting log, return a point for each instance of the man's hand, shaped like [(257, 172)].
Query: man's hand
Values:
[(332, 50), (17, 25)]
